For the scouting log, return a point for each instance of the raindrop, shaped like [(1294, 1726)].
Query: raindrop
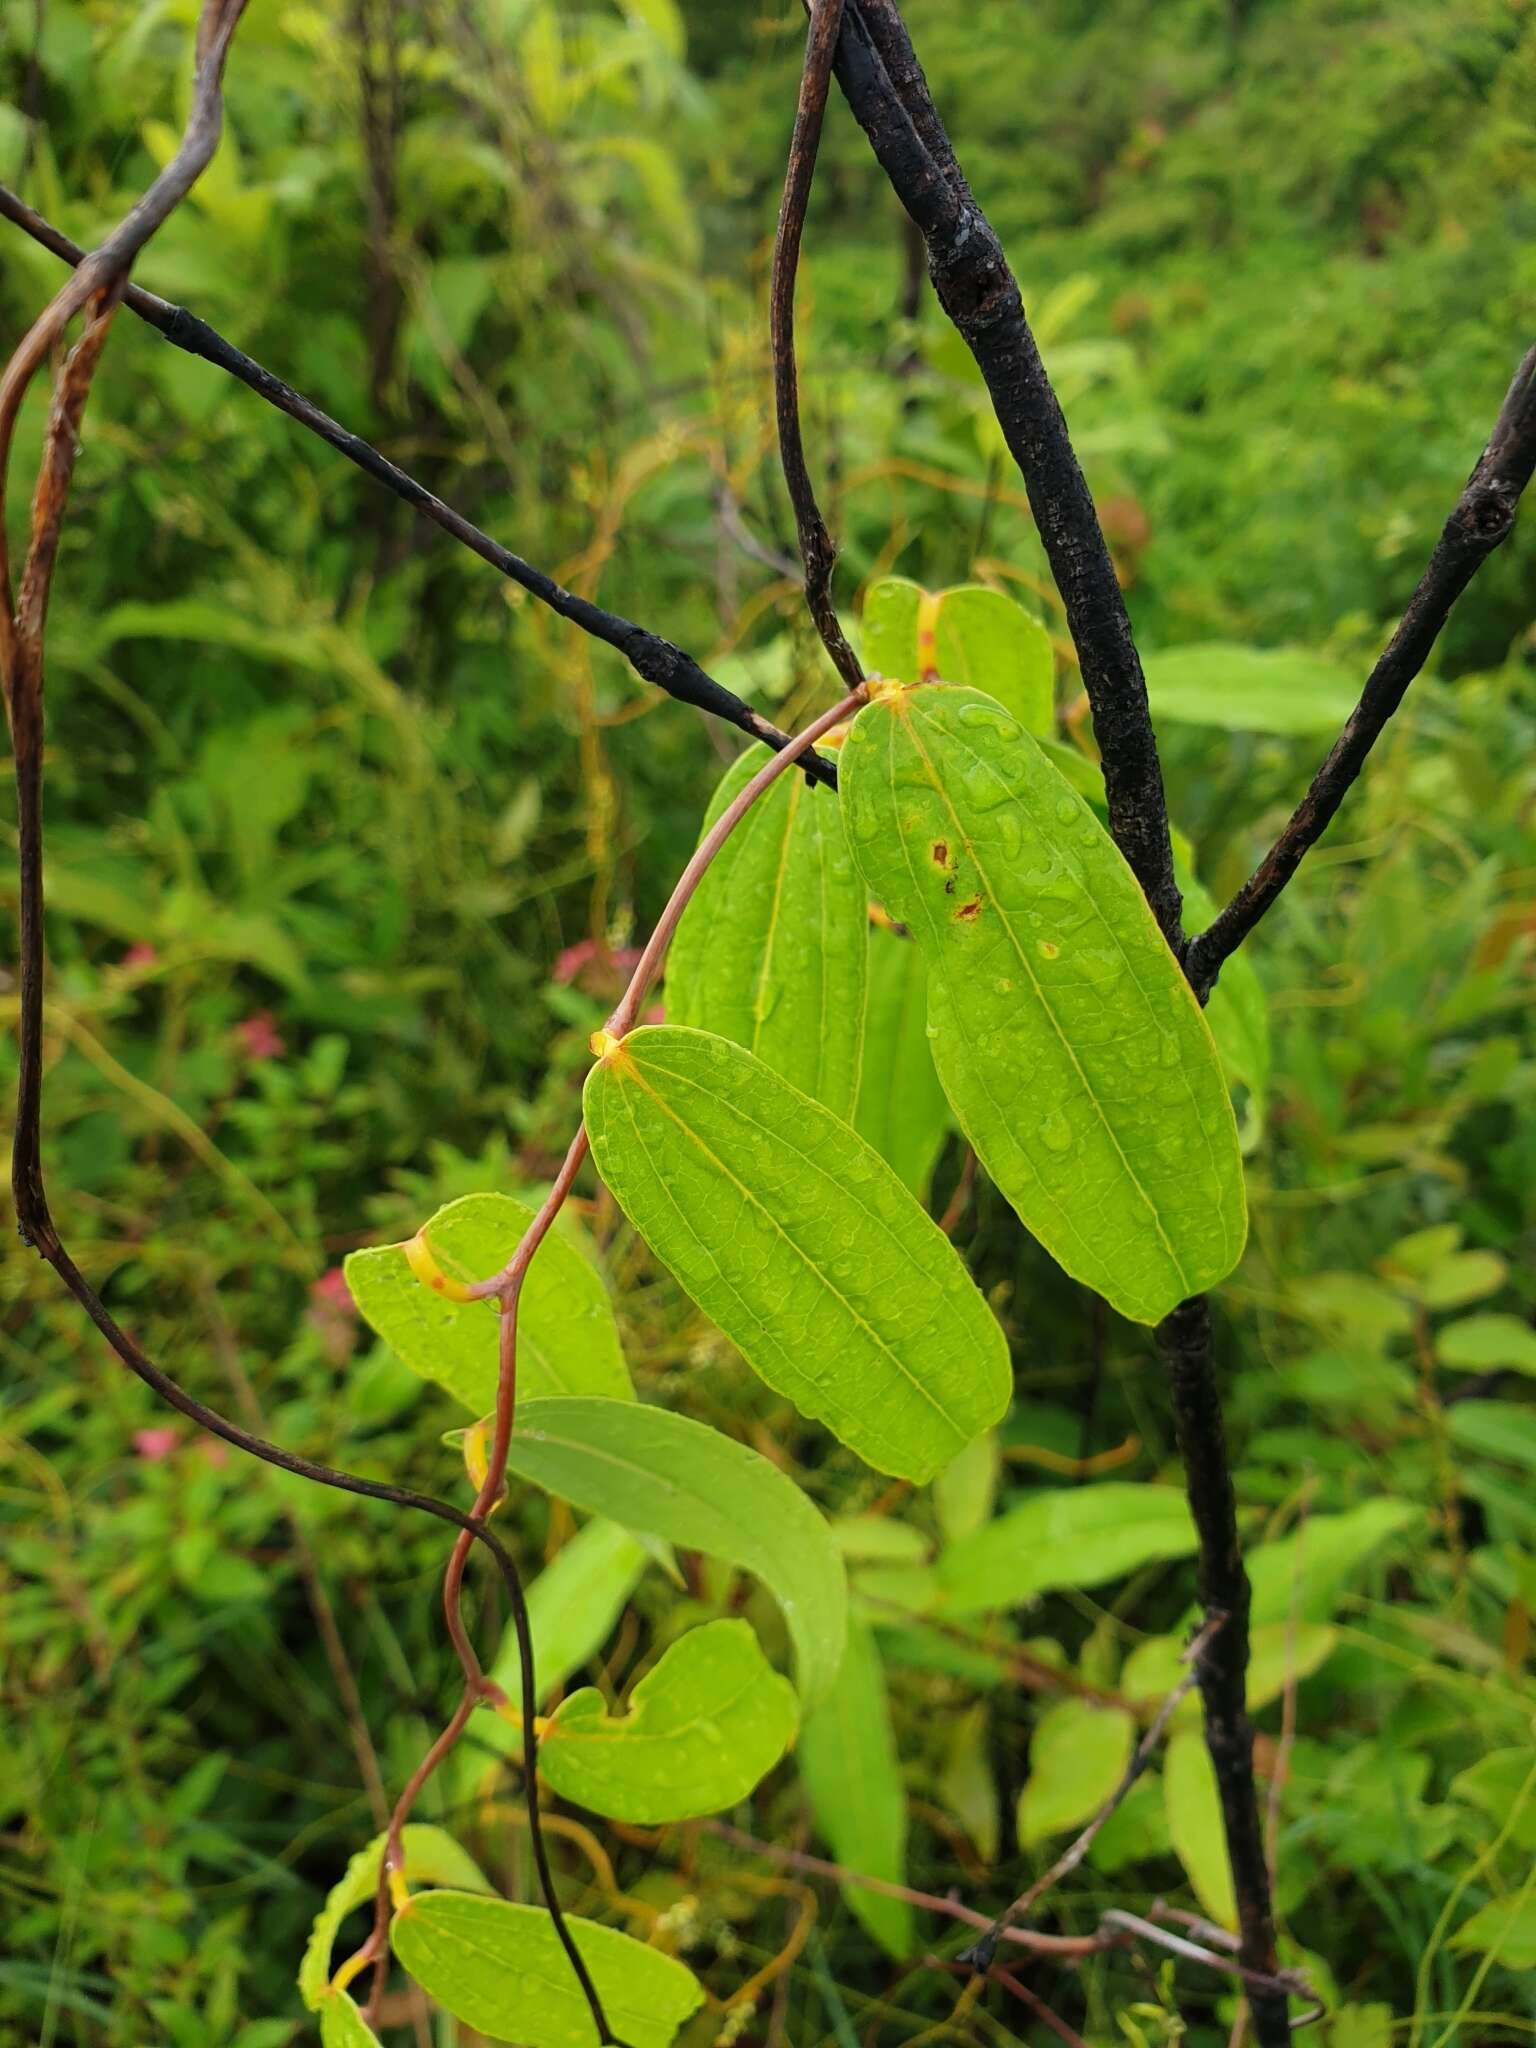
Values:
[(1056, 1132)]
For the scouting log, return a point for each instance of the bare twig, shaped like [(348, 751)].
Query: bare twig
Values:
[(884, 85), (652, 658), (816, 548), (1480, 521)]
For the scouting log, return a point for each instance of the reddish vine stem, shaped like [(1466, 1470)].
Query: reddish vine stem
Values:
[(817, 550)]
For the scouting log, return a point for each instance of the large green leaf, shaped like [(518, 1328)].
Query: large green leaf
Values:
[(676, 1478), (1077, 1756), (567, 1341), (1302, 1576), (848, 1760), (1068, 1536), (1065, 1035), (902, 1109), (771, 950), (1193, 1807), (704, 1727), (1250, 689), (801, 1243), (980, 637), (431, 1857), (500, 1968)]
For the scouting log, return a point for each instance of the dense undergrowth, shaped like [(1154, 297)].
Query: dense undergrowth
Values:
[(348, 840)]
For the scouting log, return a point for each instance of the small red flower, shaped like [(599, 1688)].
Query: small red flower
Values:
[(156, 1444), (260, 1037), (139, 956), (332, 1294)]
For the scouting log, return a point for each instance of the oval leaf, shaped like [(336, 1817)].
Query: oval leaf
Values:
[(704, 1727), (343, 2026), (500, 1968), (1250, 689), (678, 1479), (1077, 1756), (1067, 1040), (902, 1112), (800, 1242), (431, 1857), (771, 950), (848, 1761), (1067, 1536), (567, 1340), (889, 627), (987, 640)]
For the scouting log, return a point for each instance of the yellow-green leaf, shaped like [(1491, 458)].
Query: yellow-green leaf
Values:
[(801, 1243), (342, 2025), (1068, 1042), (1250, 689), (431, 1857), (848, 1760), (676, 1478), (1065, 1536), (1077, 1756), (980, 637), (567, 1340), (902, 1109), (704, 1727), (500, 1968), (771, 950), (1193, 1807), (1488, 1342)]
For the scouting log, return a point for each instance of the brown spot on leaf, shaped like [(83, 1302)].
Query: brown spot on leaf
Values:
[(969, 912), (941, 853)]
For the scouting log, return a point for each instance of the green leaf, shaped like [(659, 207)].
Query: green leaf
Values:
[(1277, 1653), (1504, 1928), (1070, 1046), (1499, 1429), (431, 1857), (1250, 689), (678, 1479), (1193, 1806), (902, 1109), (986, 640), (704, 1727), (573, 1606), (965, 1492), (1494, 1785), (771, 950), (889, 628), (1068, 1536), (1467, 1276), (800, 1242), (500, 1968), (1237, 1011), (1304, 1574), (1077, 1756), (848, 1760), (1488, 1343), (343, 2026), (966, 1782), (567, 1340)]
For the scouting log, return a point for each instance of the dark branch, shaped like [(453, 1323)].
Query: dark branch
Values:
[(884, 85), (656, 660), (817, 551), (1480, 521)]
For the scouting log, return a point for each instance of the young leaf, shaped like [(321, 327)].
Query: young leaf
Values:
[(1069, 1044), (771, 950), (1504, 1929), (567, 1340), (1250, 689), (500, 1968), (1077, 1756), (801, 1243), (986, 640), (431, 1857), (342, 2025), (704, 1727), (889, 628), (678, 1479), (848, 1761), (1488, 1342), (967, 1783), (1193, 1806), (1068, 1536), (902, 1109), (573, 1606)]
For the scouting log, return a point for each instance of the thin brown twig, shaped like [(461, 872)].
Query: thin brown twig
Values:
[(817, 551)]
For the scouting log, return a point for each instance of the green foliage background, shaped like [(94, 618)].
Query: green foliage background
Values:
[(345, 837)]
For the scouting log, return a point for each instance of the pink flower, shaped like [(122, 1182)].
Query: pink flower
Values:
[(139, 956), (156, 1444), (595, 966), (260, 1037), (656, 1014), (332, 1294)]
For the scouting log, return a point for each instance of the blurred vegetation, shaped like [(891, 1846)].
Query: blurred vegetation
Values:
[(345, 836)]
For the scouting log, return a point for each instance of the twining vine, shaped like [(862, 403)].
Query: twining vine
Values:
[(864, 44)]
